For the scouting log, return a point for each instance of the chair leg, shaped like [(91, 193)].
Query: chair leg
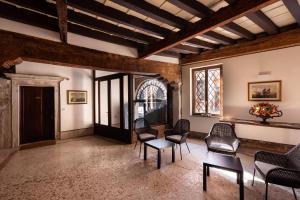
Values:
[(266, 195), (135, 144), (140, 148), (294, 193), (188, 147), (253, 176), (180, 151)]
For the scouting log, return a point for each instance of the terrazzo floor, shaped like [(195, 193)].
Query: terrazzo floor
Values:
[(97, 168)]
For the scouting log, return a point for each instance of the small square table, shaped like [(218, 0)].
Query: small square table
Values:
[(159, 144), (224, 162)]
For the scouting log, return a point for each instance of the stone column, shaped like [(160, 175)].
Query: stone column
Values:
[(5, 114)]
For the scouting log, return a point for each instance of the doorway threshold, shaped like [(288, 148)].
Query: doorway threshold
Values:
[(37, 144)]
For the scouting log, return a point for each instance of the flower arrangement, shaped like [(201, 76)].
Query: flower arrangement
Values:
[(265, 111)]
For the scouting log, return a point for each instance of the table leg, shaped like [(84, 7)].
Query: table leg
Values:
[(241, 177), (145, 152), (173, 154), (207, 169), (204, 177), (158, 159)]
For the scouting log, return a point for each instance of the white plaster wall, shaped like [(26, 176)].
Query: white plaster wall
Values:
[(72, 116), (283, 64)]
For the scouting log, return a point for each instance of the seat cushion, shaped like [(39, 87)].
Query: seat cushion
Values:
[(264, 168), (174, 138), (221, 146), (146, 136)]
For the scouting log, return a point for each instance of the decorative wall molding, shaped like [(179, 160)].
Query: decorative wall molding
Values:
[(18, 80)]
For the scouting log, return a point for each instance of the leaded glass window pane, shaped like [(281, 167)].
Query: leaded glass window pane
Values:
[(207, 91), (199, 92), (214, 103)]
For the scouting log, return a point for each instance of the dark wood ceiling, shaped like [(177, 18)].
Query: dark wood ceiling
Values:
[(97, 20)]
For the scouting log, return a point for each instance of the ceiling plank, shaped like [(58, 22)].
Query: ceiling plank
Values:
[(100, 10), (43, 21), (112, 14), (45, 51), (85, 20), (218, 38), (158, 14), (201, 44), (62, 14), (238, 30), (294, 8), (200, 10), (153, 12), (260, 19), (283, 40), (219, 18)]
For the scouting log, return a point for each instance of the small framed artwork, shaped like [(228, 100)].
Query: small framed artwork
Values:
[(264, 91), (76, 97)]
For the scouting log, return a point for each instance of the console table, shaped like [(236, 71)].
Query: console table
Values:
[(274, 132)]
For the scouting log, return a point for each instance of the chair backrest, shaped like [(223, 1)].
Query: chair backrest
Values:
[(294, 157), (222, 130), (141, 125), (182, 126)]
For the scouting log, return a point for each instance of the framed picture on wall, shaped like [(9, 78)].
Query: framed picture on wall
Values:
[(76, 97), (264, 91)]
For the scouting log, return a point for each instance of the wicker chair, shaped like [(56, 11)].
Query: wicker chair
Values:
[(144, 132), (280, 169), (222, 139), (179, 133)]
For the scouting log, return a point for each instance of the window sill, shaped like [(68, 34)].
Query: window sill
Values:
[(207, 116)]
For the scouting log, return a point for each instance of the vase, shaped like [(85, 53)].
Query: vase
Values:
[(264, 119)]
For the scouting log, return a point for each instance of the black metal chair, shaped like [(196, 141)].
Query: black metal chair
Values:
[(179, 133), (144, 132), (280, 169), (222, 139)]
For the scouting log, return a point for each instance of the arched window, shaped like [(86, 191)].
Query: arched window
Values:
[(151, 100)]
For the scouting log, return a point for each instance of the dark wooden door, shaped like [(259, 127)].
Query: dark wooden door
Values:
[(37, 114)]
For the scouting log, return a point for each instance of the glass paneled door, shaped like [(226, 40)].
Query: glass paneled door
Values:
[(113, 106)]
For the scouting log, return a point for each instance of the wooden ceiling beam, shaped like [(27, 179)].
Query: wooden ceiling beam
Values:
[(85, 20), (158, 14), (194, 7), (294, 8), (200, 10), (286, 39), (34, 49), (50, 23), (100, 10), (186, 49), (219, 18), (62, 14), (169, 54), (201, 44), (112, 14), (153, 12), (218, 38), (260, 19), (238, 30)]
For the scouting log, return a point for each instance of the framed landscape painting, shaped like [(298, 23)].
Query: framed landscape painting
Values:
[(77, 97), (264, 91)]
